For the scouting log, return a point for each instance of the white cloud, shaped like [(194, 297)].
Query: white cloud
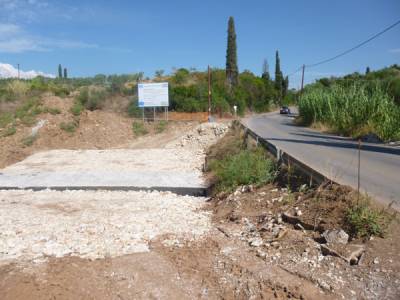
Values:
[(13, 39), (22, 10), (8, 30), (397, 50), (8, 71)]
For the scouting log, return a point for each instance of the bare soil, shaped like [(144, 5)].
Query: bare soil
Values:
[(250, 251), (100, 129)]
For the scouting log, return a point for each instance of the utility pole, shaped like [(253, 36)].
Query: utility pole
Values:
[(18, 71), (302, 80), (209, 93), (358, 171)]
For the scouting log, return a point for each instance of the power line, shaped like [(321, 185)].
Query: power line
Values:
[(297, 70), (355, 47), (347, 51)]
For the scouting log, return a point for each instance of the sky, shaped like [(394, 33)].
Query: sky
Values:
[(115, 37)]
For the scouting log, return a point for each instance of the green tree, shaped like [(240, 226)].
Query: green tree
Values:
[(60, 75), (285, 87), (232, 71), (278, 75), (65, 73), (367, 71), (159, 73)]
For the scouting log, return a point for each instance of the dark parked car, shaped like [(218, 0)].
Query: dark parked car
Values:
[(284, 110)]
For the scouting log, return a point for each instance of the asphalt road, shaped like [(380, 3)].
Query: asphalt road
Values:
[(334, 156)]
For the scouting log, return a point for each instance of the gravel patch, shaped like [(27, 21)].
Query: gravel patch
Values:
[(93, 224)]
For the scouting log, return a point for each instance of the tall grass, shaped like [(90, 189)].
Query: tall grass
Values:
[(352, 110)]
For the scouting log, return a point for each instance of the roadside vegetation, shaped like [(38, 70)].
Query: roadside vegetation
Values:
[(233, 163), (356, 105)]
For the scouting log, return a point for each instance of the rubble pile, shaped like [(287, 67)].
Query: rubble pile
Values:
[(202, 136)]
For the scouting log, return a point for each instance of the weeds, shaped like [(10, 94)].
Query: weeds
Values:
[(28, 111), (246, 167), (9, 131), (5, 119), (69, 126), (365, 221), (77, 108), (52, 110), (29, 140), (161, 126), (138, 128), (17, 88)]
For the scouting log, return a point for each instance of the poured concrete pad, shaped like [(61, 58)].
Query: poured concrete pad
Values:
[(145, 169)]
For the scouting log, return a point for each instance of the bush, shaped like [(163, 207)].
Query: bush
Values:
[(77, 108), (134, 110), (138, 128), (92, 98), (246, 167)]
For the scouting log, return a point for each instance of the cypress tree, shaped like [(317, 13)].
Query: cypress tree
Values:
[(265, 72), (278, 75), (65, 73), (367, 71), (232, 71), (60, 75)]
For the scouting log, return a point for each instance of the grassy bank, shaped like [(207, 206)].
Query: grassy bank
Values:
[(352, 110)]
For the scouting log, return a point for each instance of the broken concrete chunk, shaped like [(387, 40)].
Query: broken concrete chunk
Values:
[(336, 236)]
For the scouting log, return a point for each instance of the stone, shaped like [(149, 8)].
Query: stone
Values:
[(261, 253), (336, 236), (299, 213), (255, 242)]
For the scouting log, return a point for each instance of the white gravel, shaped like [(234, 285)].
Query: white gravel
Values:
[(97, 224), (93, 224)]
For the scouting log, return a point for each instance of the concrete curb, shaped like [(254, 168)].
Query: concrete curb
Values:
[(284, 158)]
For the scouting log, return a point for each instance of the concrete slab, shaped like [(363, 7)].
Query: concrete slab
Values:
[(145, 169)]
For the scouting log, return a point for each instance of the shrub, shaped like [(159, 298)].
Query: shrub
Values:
[(133, 109), (161, 126), (246, 167), (92, 98), (77, 108), (96, 99), (138, 128)]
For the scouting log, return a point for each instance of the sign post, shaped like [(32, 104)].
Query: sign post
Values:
[(153, 95)]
